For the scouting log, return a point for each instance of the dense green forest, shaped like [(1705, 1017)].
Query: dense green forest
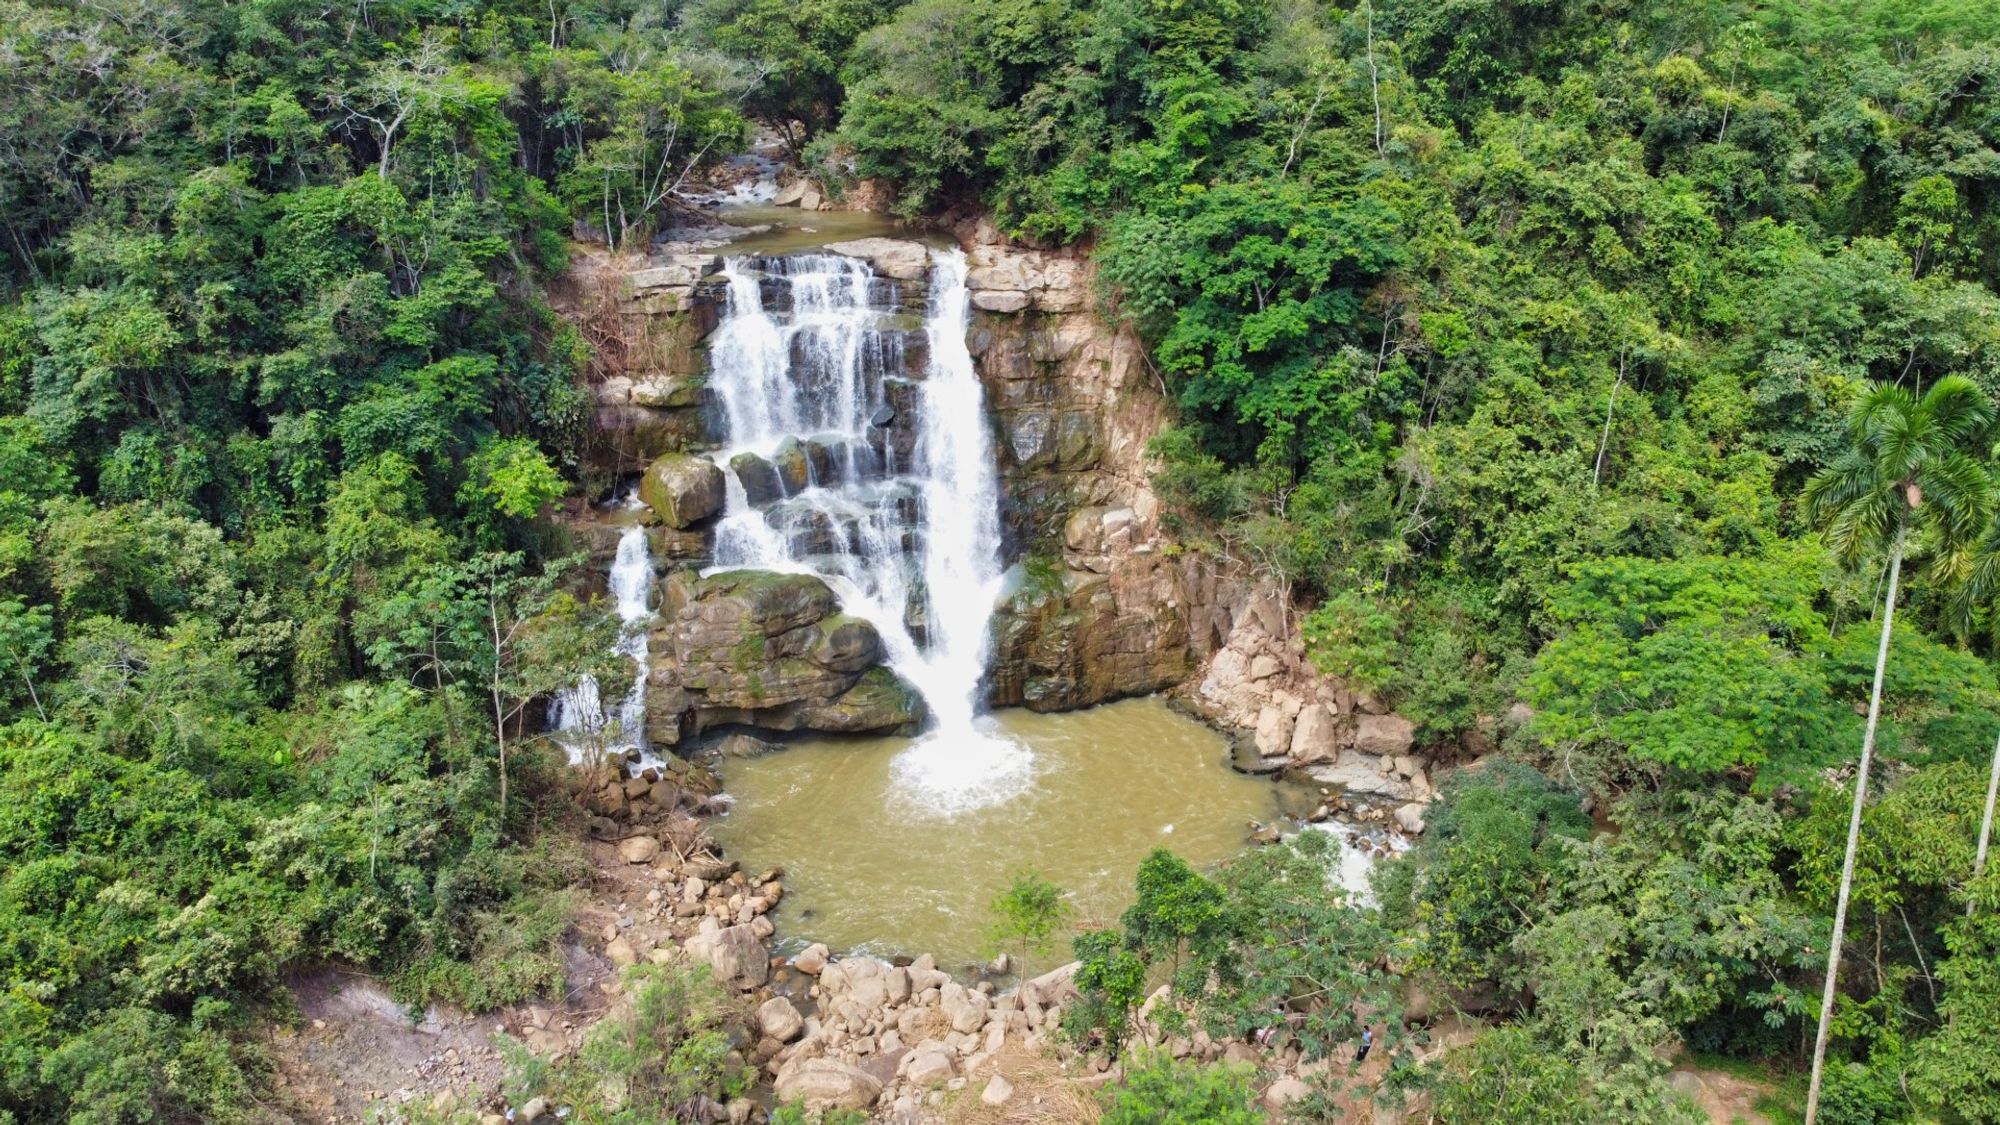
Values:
[(1576, 365)]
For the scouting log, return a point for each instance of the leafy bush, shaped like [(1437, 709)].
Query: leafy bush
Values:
[(653, 1057), (1160, 1091), (1856, 1094)]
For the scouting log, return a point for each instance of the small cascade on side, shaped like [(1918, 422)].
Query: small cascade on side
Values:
[(587, 728), (857, 449)]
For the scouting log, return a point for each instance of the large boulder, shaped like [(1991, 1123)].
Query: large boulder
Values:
[(793, 466), (931, 1064), (846, 644), (682, 489), (1315, 737), (1384, 735), (638, 849), (965, 1008), (780, 1020), (770, 650), (735, 953), (761, 486), (1274, 731), (811, 960), (823, 1084), (878, 701), (1410, 818), (719, 613)]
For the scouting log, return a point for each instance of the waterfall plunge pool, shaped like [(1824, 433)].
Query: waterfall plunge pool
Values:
[(872, 864)]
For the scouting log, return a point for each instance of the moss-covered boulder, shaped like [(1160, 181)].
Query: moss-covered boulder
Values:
[(682, 489), (772, 650), (879, 702)]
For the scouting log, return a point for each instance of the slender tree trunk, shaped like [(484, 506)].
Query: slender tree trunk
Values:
[(1853, 834), (1375, 82), (44, 716), (1604, 442), (1986, 823), (499, 714)]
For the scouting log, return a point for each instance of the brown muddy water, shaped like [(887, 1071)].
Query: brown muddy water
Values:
[(876, 861)]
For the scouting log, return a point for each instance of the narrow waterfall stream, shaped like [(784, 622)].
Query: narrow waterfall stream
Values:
[(587, 729), (844, 459)]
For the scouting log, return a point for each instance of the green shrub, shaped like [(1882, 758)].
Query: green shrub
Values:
[(652, 1058), (1161, 1091), (1858, 1094)]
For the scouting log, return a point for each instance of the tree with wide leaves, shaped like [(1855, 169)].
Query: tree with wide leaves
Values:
[(1907, 467)]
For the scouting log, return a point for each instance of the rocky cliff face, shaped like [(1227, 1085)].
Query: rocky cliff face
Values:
[(1099, 607)]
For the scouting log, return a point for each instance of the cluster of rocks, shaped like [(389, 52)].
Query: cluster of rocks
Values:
[(1294, 719), (809, 195), (659, 802), (898, 1038)]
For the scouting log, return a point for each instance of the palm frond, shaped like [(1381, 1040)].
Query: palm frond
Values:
[(1863, 526), (1958, 498), (1841, 484), (1959, 410)]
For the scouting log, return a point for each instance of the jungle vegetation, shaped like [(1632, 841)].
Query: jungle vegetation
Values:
[(1584, 368)]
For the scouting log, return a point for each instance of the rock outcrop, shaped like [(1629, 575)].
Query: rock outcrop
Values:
[(1099, 605), (645, 327), (767, 650)]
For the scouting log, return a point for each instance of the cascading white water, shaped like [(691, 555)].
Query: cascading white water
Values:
[(581, 722), (839, 463)]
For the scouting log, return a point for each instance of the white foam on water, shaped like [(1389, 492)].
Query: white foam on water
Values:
[(947, 773)]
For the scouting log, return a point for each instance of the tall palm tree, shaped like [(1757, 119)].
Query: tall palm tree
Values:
[(1906, 468), (1982, 582)]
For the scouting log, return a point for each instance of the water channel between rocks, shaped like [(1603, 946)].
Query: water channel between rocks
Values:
[(871, 866)]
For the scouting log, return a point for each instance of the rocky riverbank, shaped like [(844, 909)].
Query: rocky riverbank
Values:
[(901, 1039)]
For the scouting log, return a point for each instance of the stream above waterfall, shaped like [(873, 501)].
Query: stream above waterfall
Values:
[(788, 230), (870, 865)]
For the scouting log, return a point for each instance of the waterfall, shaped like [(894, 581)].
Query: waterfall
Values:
[(581, 722), (845, 458)]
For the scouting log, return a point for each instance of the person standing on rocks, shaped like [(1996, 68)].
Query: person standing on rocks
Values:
[(1267, 1035), (1367, 1041)]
